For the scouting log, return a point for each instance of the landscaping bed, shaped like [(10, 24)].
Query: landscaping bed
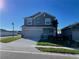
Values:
[(47, 44), (50, 42), (58, 50), (10, 39)]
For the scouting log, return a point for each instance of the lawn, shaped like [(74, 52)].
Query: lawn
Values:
[(47, 44), (58, 50), (10, 39)]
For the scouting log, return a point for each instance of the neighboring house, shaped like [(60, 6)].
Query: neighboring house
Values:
[(7, 33), (40, 25), (72, 33)]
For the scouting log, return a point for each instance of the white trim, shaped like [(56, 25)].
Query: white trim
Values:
[(47, 21)]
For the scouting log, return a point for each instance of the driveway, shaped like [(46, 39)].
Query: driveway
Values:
[(20, 45)]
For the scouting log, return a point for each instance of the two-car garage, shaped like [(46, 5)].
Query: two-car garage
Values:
[(32, 33)]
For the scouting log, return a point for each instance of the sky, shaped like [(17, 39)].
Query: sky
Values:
[(66, 11)]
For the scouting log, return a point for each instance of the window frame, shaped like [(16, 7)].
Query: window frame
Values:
[(47, 21), (29, 21)]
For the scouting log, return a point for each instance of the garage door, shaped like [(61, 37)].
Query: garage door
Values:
[(33, 34)]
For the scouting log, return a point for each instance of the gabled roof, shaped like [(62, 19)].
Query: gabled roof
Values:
[(71, 26), (39, 14)]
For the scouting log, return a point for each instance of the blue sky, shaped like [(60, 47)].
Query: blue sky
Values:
[(66, 11)]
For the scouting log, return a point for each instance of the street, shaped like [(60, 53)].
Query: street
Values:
[(32, 55), (21, 50)]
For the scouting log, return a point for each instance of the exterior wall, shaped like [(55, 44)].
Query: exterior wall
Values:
[(72, 34), (75, 35), (7, 33), (67, 33), (39, 19), (38, 25), (35, 32)]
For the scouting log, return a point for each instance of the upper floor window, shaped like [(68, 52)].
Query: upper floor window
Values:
[(37, 21), (29, 21), (47, 21)]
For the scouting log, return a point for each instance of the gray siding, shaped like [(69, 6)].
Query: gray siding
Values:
[(25, 21), (40, 20), (66, 32)]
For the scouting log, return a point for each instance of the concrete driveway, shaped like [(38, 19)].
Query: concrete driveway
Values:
[(20, 45)]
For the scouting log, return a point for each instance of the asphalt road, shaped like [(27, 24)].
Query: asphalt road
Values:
[(17, 55)]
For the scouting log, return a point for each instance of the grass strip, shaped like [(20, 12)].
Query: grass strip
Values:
[(58, 50), (47, 44), (10, 39)]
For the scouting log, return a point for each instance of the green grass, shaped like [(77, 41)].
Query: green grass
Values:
[(47, 44), (58, 50), (10, 39)]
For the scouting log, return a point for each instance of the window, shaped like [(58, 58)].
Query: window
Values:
[(29, 21), (47, 21), (37, 21)]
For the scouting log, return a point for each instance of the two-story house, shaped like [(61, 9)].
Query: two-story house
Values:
[(39, 25), (72, 33)]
